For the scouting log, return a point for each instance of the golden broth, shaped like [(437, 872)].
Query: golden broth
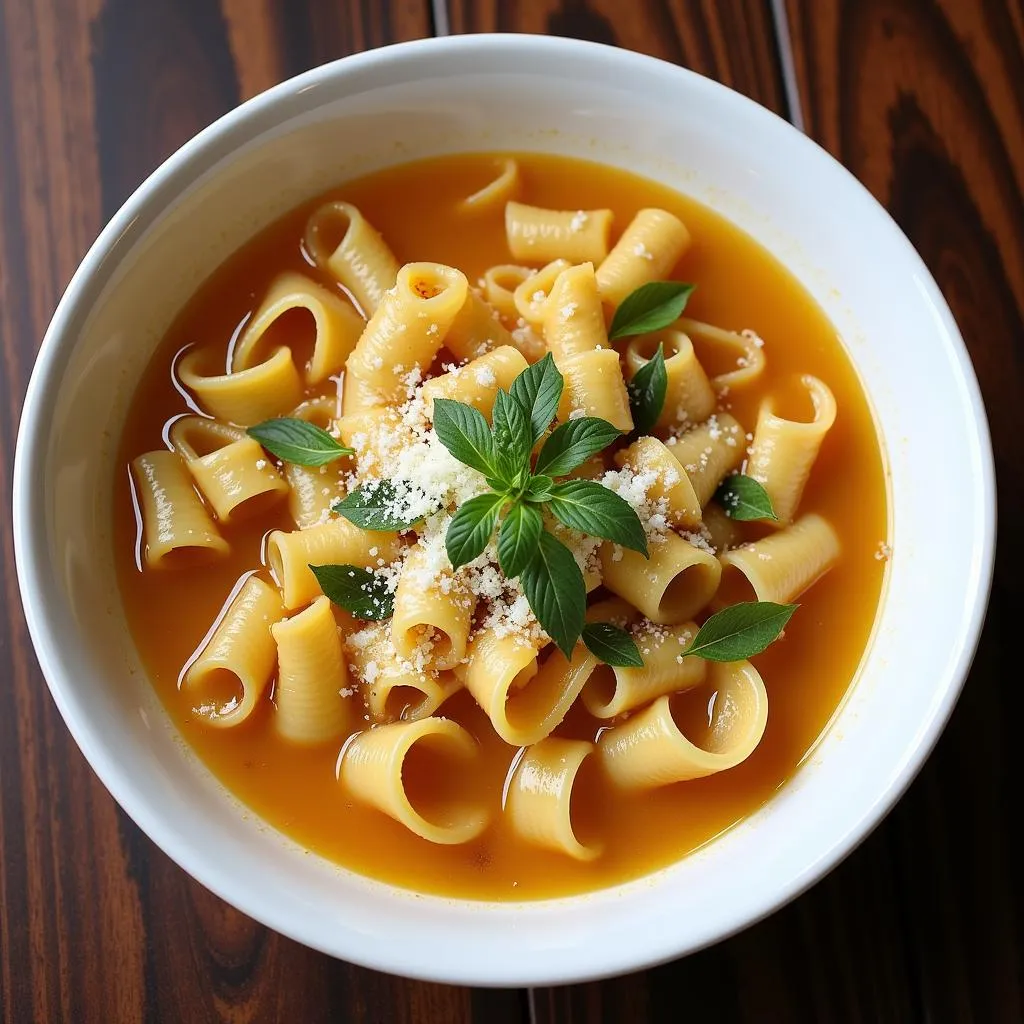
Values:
[(806, 673)]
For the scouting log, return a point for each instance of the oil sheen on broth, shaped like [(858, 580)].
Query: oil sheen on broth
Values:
[(739, 286)]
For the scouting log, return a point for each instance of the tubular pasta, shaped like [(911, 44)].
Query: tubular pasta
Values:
[(313, 489), (594, 387), (709, 453), (405, 333), (240, 651), (539, 235), (650, 750), (689, 397), (499, 285), (476, 329), (573, 315), (311, 677), (336, 327), (233, 473), (781, 566), (360, 259), (531, 295), (478, 382), (611, 691), (649, 459), (175, 523), (784, 450), (496, 192), (539, 802), (741, 355), (373, 769), (673, 585), (336, 542), (524, 699), (248, 396), (649, 248)]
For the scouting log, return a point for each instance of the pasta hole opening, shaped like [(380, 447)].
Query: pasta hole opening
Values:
[(719, 353), (693, 712), (189, 556), (532, 699), (436, 781), (734, 587), (508, 278), (255, 504), (216, 693), (687, 592), (294, 329), (203, 436), (403, 702), (275, 560), (601, 686), (587, 801), (793, 400), (328, 228)]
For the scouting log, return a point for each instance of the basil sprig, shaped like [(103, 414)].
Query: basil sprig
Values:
[(372, 507), (612, 644), (650, 308), (740, 631), (298, 441), (356, 589), (744, 499), (647, 392)]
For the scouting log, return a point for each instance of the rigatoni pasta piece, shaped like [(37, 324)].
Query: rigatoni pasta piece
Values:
[(732, 360), (709, 453), (649, 248), (671, 586), (612, 691), (249, 396), (496, 192), (476, 329), (784, 450), (405, 333), (531, 296), (594, 386), (664, 480), (539, 235), (376, 435), (650, 749), (311, 695), (234, 666), (230, 469), (573, 315), (420, 774), (299, 314), (433, 612), (499, 285), (539, 804), (176, 527), (336, 542), (781, 566), (525, 699), (342, 242), (312, 490), (478, 382), (689, 397)]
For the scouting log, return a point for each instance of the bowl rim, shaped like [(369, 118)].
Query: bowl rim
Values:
[(140, 210)]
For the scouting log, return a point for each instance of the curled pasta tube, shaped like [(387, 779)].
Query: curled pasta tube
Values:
[(650, 750), (611, 691), (500, 283), (230, 469), (649, 248), (573, 315), (594, 386), (781, 566), (175, 523), (531, 295), (478, 382), (649, 459), (412, 772), (784, 450), (476, 329), (497, 191), (709, 453), (335, 325), (342, 242), (539, 804), (336, 542), (311, 677), (671, 586), (523, 698), (536, 234), (732, 360), (689, 397), (240, 653), (247, 396)]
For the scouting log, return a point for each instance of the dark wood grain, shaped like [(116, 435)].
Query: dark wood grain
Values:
[(96, 924)]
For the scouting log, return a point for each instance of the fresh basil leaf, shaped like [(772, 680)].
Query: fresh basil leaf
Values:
[(298, 441), (647, 392), (593, 509), (513, 438), (612, 645), (538, 390), (355, 589), (741, 630), (650, 308), (538, 488), (518, 538), (571, 444), (744, 499), (463, 430), (371, 507), (471, 527), (554, 586)]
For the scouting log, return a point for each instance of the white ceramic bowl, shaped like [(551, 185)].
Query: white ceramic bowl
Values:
[(525, 93)]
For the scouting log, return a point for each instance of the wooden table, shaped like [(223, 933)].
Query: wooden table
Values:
[(924, 101)]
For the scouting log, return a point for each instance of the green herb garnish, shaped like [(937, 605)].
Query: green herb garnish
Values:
[(372, 507), (650, 308), (298, 441), (740, 631), (612, 644), (647, 392), (356, 589), (744, 499)]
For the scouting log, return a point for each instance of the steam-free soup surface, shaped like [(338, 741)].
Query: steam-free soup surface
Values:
[(740, 286)]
